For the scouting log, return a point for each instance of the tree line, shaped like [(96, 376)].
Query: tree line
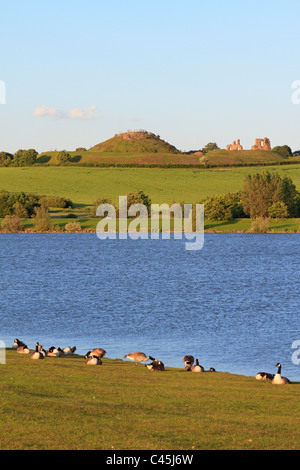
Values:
[(263, 194)]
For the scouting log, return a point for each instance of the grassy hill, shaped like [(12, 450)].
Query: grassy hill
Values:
[(234, 157), (141, 148), (136, 142), (94, 157)]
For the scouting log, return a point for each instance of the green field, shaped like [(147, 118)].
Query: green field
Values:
[(85, 185), (61, 403), (246, 157)]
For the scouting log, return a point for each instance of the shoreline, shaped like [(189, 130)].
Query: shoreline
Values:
[(167, 368), (85, 231)]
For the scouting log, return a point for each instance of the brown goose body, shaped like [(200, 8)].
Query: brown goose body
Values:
[(138, 357)]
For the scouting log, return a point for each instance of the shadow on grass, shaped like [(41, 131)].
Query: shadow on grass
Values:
[(76, 158), (43, 159), (231, 223)]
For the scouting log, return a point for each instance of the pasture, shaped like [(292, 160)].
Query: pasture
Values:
[(85, 185)]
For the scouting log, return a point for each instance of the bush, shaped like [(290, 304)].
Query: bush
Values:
[(210, 147), (73, 227), (8, 201), (284, 150), (63, 157), (25, 157), (138, 197), (260, 225), (278, 210), (6, 158), (12, 224), (224, 207), (55, 201), (42, 220), (20, 210), (98, 203)]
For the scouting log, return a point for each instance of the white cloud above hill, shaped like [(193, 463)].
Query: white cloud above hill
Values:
[(75, 113)]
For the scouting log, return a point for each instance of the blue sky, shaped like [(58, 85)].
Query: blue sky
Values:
[(77, 72)]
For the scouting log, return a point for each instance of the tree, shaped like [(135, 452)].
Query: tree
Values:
[(63, 157), (284, 150), (6, 158), (210, 147), (288, 196), (97, 203), (20, 210), (217, 208), (278, 210), (224, 207), (25, 157), (262, 190), (8, 200), (42, 220), (138, 197)]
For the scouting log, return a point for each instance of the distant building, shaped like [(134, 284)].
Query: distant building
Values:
[(235, 145), (262, 144)]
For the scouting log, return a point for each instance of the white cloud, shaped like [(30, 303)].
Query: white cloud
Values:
[(76, 113)]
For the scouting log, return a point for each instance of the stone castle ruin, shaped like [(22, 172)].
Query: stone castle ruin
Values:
[(260, 144), (135, 134), (235, 146)]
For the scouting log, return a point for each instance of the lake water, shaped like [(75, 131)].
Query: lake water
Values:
[(234, 304)]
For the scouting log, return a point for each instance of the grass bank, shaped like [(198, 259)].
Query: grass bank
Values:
[(60, 403), (231, 226)]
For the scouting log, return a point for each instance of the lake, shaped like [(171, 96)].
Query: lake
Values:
[(234, 305)]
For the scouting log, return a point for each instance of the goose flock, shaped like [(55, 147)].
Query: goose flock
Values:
[(94, 357)]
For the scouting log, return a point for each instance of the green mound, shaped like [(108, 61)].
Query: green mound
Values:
[(136, 142)]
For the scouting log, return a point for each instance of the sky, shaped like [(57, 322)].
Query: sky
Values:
[(74, 73)]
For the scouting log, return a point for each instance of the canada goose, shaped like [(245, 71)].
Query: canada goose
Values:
[(69, 351), (92, 360), (37, 354), (40, 349), (53, 352), (212, 370), (196, 368), (99, 352), (188, 361), (156, 365), (264, 376), (278, 380), (23, 349), (17, 343), (138, 357)]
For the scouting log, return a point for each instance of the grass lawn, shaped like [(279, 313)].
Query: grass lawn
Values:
[(85, 185), (60, 403), (235, 225)]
